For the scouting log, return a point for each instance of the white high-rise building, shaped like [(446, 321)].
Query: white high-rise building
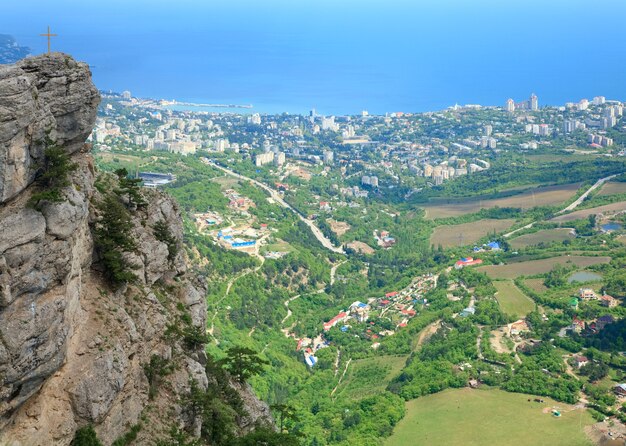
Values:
[(534, 102), (329, 157), (221, 145), (279, 158), (510, 105), (329, 124), (488, 130), (264, 158), (126, 94), (255, 119), (599, 100)]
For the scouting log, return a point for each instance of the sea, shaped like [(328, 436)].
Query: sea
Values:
[(338, 56)]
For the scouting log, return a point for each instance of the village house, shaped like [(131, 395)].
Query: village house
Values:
[(586, 293), (341, 317), (518, 327), (620, 389), (603, 321), (577, 325), (580, 361), (360, 311), (467, 261), (609, 301)]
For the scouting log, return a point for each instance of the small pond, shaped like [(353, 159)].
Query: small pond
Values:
[(612, 226), (584, 276)]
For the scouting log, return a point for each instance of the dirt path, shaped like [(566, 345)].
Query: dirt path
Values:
[(342, 375), (333, 270), (289, 313), (337, 359), (497, 342), (211, 330), (426, 333), (478, 342)]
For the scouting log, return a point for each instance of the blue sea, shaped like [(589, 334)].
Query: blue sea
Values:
[(338, 56)]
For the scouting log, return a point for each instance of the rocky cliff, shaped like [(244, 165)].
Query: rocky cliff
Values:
[(74, 350)]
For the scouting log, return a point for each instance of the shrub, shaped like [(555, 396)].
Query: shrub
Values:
[(86, 436), (53, 177)]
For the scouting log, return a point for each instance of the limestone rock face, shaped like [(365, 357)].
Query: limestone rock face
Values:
[(73, 349), (44, 99)]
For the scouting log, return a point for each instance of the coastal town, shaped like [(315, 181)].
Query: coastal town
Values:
[(453, 237)]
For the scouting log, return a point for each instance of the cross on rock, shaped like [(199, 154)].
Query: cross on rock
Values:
[(48, 35)]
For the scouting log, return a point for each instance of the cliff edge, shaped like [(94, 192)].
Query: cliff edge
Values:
[(76, 350)]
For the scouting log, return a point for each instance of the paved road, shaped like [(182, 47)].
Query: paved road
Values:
[(580, 199), (572, 206), (276, 196)]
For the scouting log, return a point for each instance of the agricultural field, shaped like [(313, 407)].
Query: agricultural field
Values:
[(377, 372), (584, 213), (536, 285), (545, 196), (467, 233), (512, 300), (541, 266), (612, 188), (467, 417), (544, 236)]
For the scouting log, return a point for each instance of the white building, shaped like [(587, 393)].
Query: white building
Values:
[(264, 158), (510, 105), (534, 102), (329, 157), (255, 119)]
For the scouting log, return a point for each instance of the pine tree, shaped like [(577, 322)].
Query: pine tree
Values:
[(112, 237), (129, 188), (243, 363), (53, 176)]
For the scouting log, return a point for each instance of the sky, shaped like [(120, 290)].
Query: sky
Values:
[(338, 56)]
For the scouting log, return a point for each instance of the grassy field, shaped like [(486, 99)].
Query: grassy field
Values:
[(278, 245), (612, 188), (545, 196), (467, 233), (226, 182), (377, 371), (483, 417), (584, 213), (543, 236), (130, 159), (536, 285), (532, 267), (512, 300)]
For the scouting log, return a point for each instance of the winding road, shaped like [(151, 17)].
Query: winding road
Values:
[(326, 243), (572, 206)]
